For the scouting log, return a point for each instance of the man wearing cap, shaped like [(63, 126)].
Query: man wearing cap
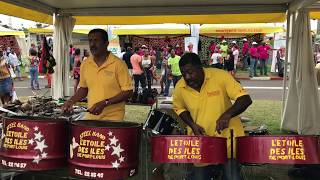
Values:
[(254, 56), (179, 50), (245, 54), (263, 51), (224, 50), (141, 50), (105, 81), (190, 47)]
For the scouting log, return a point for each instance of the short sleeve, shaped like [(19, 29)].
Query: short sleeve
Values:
[(123, 77), (268, 47), (178, 103), (169, 61), (233, 88), (82, 82)]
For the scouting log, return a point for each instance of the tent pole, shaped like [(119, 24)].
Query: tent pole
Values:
[(284, 85)]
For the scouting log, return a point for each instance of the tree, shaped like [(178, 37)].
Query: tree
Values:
[(39, 25)]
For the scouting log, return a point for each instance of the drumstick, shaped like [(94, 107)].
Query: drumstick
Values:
[(231, 160), (231, 142)]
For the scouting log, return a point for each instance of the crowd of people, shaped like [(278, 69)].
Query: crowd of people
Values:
[(40, 60), (9, 70), (143, 63), (227, 56), (149, 64)]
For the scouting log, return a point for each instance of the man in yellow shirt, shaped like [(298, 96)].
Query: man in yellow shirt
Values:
[(203, 101), (224, 50), (104, 80)]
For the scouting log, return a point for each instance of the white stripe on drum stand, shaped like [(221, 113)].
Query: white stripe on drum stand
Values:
[(156, 128)]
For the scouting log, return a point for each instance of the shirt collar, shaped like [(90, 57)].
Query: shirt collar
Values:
[(109, 60)]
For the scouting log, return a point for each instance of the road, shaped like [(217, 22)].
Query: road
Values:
[(262, 90)]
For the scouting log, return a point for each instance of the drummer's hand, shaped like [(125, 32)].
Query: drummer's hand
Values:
[(97, 108), (67, 107), (197, 130), (223, 122)]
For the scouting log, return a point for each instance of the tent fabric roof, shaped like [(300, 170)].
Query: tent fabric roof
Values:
[(6, 32), (77, 4), (180, 19), (149, 12), (204, 29), (239, 28), (50, 31), (115, 12), (158, 29), (25, 13), (81, 29), (154, 29), (315, 15)]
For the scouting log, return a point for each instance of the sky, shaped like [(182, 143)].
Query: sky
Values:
[(18, 23)]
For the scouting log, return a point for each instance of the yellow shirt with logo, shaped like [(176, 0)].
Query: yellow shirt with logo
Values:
[(105, 82), (206, 106)]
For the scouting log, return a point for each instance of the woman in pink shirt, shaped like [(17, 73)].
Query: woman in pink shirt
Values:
[(76, 69), (137, 70), (263, 51), (254, 55), (245, 54)]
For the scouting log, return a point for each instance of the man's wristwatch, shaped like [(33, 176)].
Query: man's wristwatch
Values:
[(107, 102)]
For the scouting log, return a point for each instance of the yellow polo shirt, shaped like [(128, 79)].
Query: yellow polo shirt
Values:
[(105, 82), (206, 106)]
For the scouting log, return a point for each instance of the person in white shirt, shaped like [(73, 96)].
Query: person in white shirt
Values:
[(236, 56), (15, 63), (233, 44), (216, 59)]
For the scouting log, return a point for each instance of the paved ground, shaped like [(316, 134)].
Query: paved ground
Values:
[(262, 90)]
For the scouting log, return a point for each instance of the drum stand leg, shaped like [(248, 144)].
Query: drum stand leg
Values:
[(146, 154)]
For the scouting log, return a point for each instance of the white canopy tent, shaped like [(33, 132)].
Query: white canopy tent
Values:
[(62, 36), (190, 12), (302, 105), (7, 32)]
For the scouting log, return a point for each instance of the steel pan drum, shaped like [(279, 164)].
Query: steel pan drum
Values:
[(104, 149), (160, 123), (189, 149), (33, 143), (278, 149)]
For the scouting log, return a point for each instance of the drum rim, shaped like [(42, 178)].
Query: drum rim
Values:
[(34, 119), (192, 136), (276, 136), (80, 123)]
